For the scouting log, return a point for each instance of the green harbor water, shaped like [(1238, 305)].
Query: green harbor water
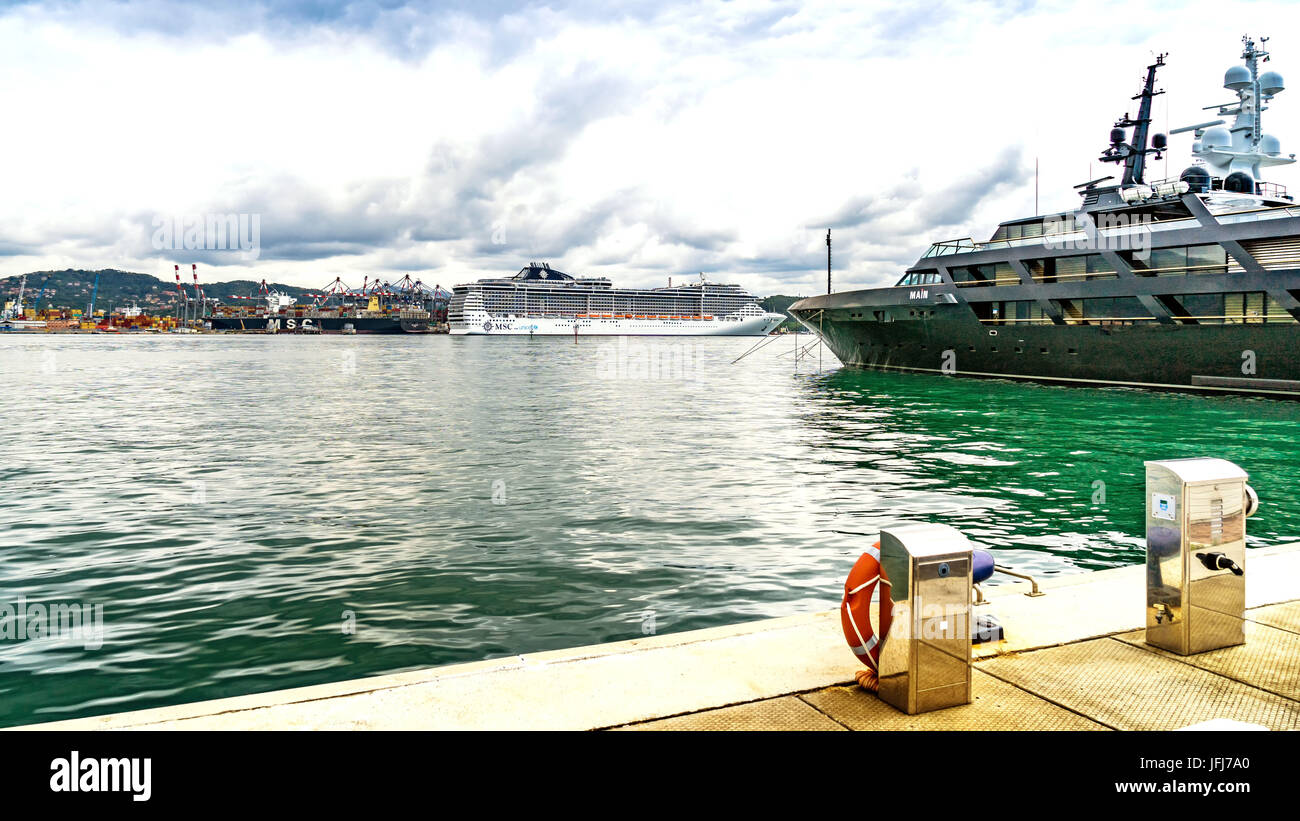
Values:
[(254, 513)]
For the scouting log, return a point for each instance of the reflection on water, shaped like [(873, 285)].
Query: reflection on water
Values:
[(257, 512)]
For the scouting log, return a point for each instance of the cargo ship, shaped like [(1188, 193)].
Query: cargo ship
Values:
[(375, 308), (1190, 283)]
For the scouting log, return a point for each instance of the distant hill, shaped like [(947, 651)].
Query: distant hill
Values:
[(71, 288), (778, 304)]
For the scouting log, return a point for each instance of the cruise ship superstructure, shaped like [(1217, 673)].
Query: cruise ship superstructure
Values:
[(1186, 283), (542, 301)]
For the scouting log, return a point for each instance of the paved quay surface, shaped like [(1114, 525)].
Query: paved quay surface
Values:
[(1074, 659)]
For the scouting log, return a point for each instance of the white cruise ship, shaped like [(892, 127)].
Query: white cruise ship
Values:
[(542, 301)]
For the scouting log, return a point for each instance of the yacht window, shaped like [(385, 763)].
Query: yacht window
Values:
[(921, 278), (1030, 312), (1069, 269), (1120, 310), (1207, 259), (1168, 261), (1098, 267), (1204, 308), (1042, 270), (1002, 273), (1254, 307)]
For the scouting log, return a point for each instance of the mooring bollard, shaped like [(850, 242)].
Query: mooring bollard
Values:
[(925, 661), (1196, 554)]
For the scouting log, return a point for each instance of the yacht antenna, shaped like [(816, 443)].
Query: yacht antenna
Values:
[(1252, 58)]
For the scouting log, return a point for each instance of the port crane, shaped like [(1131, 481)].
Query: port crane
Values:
[(41, 295), (90, 312), (15, 310)]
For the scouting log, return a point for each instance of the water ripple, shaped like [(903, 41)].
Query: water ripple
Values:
[(257, 513)]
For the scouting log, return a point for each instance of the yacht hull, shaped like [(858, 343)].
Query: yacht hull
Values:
[(1257, 358)]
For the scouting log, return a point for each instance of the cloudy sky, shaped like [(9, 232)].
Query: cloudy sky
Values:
[(456, 140)]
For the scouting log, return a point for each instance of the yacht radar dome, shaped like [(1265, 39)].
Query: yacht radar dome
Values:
[(1270, 83), (1216, 137), (1237, 78), (1197, 179), (1239, 182)]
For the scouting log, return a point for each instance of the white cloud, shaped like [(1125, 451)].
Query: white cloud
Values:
[(719, 137)]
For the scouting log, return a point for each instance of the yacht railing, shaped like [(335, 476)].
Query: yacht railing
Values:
[(1227, 319), (968, 245), (1042, 278), (1093, 320), (1275, 212), (1218, 268), (1253, 319), (1182, 270), (951, 246), (1263, 189)]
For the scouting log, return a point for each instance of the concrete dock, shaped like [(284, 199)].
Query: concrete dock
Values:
[(1073, 659)]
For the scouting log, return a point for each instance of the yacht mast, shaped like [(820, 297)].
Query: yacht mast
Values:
[(1237, 154), (1134, 155)]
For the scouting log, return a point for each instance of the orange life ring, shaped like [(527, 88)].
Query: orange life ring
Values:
[(855, 613)]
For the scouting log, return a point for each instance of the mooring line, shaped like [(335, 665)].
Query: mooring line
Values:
[(757, 346)]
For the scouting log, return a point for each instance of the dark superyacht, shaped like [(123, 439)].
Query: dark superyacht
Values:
[(1187, 283)]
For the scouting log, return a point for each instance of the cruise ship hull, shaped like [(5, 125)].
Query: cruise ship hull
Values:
[(1249, 357), (482, 324)]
